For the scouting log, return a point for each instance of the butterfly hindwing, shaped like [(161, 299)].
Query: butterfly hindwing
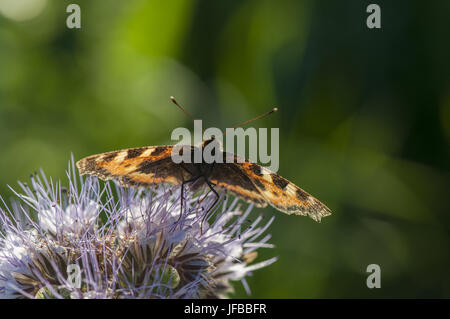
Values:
[(232, 179)]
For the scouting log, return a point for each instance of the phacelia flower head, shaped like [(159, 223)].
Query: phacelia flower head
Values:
[(97, 240)]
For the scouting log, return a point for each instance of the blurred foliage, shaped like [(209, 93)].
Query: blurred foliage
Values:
[(364, 117)]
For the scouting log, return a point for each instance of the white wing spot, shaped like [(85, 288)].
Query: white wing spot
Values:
[(121, 156), (148, 152)]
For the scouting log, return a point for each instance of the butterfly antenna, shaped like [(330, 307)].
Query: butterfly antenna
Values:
[(181, 108), (256, 118)]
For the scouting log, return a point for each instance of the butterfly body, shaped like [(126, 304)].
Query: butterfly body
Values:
[(153, 165)]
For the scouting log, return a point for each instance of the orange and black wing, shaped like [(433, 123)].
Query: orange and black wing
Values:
[(133, 167), (279, 192), (233, 180)]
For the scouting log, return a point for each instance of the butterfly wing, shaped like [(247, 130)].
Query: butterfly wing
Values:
[(233, 180), (142, 166), (145, 166), (279, 192)]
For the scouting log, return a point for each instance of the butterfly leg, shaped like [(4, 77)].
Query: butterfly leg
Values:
[(212, 206), (195, 178), (201, 201)]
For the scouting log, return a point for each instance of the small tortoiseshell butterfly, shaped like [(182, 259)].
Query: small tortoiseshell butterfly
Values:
[(146, 166)]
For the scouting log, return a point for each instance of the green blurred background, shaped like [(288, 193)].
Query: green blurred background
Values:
[(364, 117)]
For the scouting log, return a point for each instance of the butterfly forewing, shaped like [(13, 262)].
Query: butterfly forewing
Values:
[(278, 191), (143, 166)]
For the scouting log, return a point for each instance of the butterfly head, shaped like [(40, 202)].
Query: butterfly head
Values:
[(215, 142)]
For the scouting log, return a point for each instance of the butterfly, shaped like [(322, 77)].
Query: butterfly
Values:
[(153, 165)]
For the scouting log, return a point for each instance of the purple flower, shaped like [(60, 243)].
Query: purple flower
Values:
[(94, 240)]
